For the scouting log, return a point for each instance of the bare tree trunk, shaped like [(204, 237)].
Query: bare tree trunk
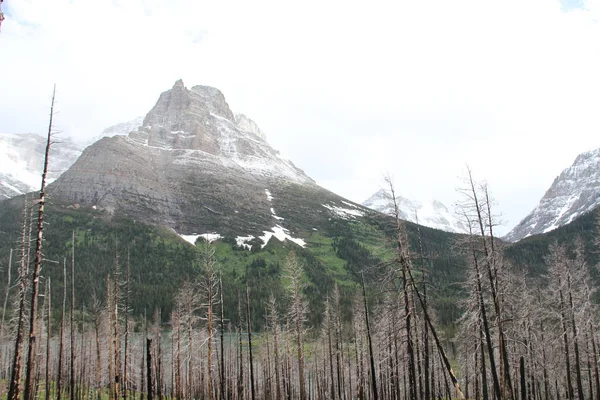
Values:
[(97, 316), (48, 336), (440, 348), (596, 372), (566, 346), (222, 344), (523, 378), (499, 384), (240, 379), (28, 395), (6, 295), (248, 320), (62, 330), (149, 368), (126, 357), (14, 391), (115, 329), (73, 327), (371, 358), (575, 341)]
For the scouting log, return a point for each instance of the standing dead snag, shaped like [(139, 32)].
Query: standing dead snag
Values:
[(6, 295), (37, 264), (73, 327), (249, 333), (48, 336), (404, 260), (298, 310), (210, 286), (371, 358), (17, 363), (149, 368)]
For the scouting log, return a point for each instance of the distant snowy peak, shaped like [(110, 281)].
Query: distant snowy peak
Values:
[(22, 157), (123, 128), (573, 193), (433, 214)]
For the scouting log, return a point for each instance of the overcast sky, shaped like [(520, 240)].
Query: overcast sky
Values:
[(347, 90)]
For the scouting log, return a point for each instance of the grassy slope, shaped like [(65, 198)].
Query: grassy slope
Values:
[(160, 261)]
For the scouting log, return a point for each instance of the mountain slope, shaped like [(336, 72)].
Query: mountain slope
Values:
[(433, 214), (574, 192), (22, 158), (196, 167)]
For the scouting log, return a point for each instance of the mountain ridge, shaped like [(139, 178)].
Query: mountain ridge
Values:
[(574, 192), (433, 214), (22, 157)]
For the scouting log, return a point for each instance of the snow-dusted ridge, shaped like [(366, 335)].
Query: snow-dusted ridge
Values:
[(433, 214), (22, 157), (574, 192)]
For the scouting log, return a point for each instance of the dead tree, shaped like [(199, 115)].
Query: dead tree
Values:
[(28, 394), (298, 311), (62, 330), (48, 336), (14, 390), (249, 333), (73, 326)]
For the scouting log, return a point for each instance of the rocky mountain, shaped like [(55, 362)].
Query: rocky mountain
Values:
[(433, 214), (198, 168), (22, 158), (574, 192)]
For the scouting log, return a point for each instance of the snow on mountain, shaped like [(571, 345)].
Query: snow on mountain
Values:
[(574, 192), (196, 167), (22, 158), (120, 129), (197, 124), (123, 128), (433, 214)]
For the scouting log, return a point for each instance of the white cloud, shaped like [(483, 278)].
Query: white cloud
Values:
[(348, 90)]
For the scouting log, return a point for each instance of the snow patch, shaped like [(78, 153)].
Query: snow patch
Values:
[(343, 212), (281, 234), (275, 216), (269, 195), (209, 237), (350, 204), (241, 241)]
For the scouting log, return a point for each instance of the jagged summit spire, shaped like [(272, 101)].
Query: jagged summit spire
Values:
[(179, 84)]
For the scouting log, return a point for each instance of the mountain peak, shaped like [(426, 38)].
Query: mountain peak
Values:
[(574, 192), (433, 214), (178, 84), (192, 165)]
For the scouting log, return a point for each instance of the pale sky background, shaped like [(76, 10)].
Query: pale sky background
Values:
[(347, 90)]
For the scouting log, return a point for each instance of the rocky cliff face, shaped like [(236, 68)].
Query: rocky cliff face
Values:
[(22, 159), (574, 192), (197, 168), (433, 214)]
